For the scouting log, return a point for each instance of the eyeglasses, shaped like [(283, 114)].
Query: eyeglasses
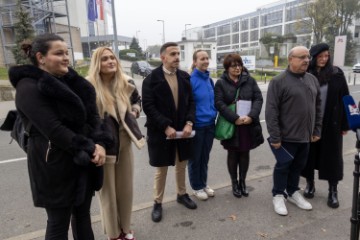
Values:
[(302, 57), (236, 66)]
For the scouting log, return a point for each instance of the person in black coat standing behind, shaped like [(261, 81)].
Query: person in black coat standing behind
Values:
[(66, 143), (169, 107), (248, 133), (326, 154)]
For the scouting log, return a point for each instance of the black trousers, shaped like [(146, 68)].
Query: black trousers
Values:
[(59, 220)]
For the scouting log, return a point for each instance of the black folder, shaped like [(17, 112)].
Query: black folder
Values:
[(281, 154)]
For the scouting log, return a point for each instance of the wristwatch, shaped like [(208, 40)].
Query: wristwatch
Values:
[(189, 123)]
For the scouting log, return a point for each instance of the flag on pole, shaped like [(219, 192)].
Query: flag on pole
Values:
[(92, 11), (101, 9)]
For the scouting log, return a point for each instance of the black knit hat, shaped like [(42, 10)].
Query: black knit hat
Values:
[(318, 48)]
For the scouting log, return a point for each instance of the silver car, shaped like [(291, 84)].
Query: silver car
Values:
[(356, 68)]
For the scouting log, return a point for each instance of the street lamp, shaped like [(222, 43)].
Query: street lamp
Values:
[(137, 36), (163, 22), (187, 24)]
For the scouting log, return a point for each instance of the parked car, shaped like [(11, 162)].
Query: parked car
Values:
[(356, 68), (142, 68)]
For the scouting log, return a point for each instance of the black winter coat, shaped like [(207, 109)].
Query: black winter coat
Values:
[(225, 92), (159, 107), (326, 154), (65, 128)]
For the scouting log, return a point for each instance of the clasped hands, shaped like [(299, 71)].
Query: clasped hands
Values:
[(171, 132), (243, 120)]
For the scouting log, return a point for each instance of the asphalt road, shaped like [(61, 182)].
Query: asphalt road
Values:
[(20, 220)]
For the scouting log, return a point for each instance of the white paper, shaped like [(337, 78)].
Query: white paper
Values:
[(243, 108), (180, 133)]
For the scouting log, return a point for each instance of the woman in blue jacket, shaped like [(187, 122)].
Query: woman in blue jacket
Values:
[(203, 92)]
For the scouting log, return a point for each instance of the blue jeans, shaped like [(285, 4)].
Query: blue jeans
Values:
[(198, 164), (287, 173)]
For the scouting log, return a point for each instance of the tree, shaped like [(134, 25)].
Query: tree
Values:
[(346, 11), (23, 31), (319, 13), (135, 45), (272, 41)]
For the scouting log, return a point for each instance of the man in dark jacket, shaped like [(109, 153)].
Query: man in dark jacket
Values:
[(293, 118), (170, 109)]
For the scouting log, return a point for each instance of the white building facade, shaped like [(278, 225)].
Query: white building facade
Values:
[(242, 33)]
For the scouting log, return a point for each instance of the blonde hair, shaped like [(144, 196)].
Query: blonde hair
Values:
[(105, 96)]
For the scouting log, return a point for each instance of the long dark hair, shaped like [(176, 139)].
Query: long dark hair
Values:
[(40, 44), (324, 74)]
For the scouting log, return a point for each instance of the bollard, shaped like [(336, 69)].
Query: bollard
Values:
[(265, 78), (262, 70), (349, 81), (354, 78)]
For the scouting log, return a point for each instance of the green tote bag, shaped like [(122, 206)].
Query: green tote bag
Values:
[(223, 128)]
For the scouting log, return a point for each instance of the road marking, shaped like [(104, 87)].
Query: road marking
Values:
[(97, 218), (13, 160)]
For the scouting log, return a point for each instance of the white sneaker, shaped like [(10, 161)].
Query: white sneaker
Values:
[(210, 192), (279, 205), (201, 194), (299, 201)]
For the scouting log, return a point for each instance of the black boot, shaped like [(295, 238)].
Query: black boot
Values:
[(242, 186), (309, 189), (333, 201), (235, 189)]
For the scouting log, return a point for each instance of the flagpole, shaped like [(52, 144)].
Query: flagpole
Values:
[(116, 50)]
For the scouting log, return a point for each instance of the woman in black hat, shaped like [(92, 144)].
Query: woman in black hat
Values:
[(326, 155)]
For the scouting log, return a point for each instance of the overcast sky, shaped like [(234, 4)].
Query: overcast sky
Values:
[(142, 16)]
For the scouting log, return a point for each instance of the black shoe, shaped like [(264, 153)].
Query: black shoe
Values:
[(333, 201), (242, 188), (186, 201), (235, 189), (156, 213), (309, 189)]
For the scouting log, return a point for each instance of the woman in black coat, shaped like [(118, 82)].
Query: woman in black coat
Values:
[(326, 154), (248, 132), (66, 142)]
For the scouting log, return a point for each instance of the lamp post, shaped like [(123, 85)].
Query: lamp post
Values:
[(137, 36), (187, 24), (116, 47), (163, 38)]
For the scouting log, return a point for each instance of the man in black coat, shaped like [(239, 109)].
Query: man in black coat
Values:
[(169, 107)]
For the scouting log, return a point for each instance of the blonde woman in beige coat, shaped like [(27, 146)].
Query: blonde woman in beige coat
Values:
[(119, 104)]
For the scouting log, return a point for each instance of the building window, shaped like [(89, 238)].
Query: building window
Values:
[(208, 33), (223, 40), (244, 37), (272, 18), (235, 38), (182, 53), (295, 13), (274, 30), (222, 30), (223, 48), (297, 28), (254, 35), (244, 24), (254, 22), (235, 26)]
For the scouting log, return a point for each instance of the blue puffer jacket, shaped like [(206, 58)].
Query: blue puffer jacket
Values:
[(203, 92)]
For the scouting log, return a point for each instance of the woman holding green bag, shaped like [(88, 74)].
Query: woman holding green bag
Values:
[(236, 84)]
